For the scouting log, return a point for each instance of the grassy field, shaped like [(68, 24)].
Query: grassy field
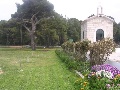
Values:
[(23, 69)]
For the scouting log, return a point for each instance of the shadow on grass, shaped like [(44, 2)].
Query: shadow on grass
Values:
[(25, 49)]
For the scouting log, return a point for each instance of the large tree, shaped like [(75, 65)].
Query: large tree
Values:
[(48, 32), (116, 32), (74, 29), (53, 30), (30, 13), (9, 33)]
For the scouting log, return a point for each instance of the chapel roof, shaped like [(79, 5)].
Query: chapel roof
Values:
[(99, 14)]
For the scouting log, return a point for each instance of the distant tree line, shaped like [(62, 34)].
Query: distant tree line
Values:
[(116, 32), (36, 23), (49, 32)]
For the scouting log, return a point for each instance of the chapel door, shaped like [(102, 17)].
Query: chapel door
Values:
[(99, 34)]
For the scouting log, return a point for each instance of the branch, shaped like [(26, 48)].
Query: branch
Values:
[(34, 19), (33, 16), (37, 22), (26, 27), (26, 21)]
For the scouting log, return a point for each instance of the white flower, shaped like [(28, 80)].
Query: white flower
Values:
[(105, 74), (98, 73), (108, 75)]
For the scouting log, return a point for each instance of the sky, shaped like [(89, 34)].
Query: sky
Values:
[(79, 9)]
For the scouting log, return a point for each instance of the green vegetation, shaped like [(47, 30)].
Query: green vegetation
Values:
[(24, 69), (100, 78), (36, 23), (99, 51), (72, 64)]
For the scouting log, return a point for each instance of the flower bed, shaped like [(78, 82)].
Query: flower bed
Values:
[(108, 70), (101, 77)]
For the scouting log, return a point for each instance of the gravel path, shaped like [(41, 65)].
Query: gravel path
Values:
[(115, 56)]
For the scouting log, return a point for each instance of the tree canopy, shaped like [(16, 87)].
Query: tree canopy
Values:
[(30, 13)]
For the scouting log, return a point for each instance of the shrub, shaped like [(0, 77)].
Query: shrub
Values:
[(117, 80), (82, 84), (97, 82), (71, 63), (99, 51), (81, 49), (77, 49), (68, 47)]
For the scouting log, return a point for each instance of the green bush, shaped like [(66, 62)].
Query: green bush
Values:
[(77, 49), (71, 63), (100, 50), (81, 49)]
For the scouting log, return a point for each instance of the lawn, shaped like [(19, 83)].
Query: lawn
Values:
[(23, 69)]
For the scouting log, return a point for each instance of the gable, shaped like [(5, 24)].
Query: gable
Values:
[(100, 18)]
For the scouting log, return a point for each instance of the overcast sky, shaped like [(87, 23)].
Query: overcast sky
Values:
[(79, 9)]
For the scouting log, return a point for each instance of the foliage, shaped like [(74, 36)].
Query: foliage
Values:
[(74, 29), (116, 80), (82, 84), (100, 50), (98, 80), (68, 47), (36, 21), (9, 33), (103, 77), (77, 49), (116, 32), (73, 64), (81, 49), (52, 30), (29, 15)]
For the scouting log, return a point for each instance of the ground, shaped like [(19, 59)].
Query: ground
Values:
[(23, 69), (115, 56)]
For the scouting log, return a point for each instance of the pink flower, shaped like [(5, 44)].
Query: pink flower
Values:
[(118, 85), (108, 85)]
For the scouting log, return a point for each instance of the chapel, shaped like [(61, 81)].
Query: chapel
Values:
[(97, 27)]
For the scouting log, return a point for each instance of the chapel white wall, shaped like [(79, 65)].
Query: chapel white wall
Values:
[(90, 27)]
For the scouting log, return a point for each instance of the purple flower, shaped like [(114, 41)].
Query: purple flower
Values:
[(106, 67)]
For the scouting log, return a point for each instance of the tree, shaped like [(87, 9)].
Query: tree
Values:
[(116, 32), (48, 32), (30, 13), (53, 30), (3, 32), (61, 27), (74, 29)]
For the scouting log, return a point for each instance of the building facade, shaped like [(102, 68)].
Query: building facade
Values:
[(97, 27)]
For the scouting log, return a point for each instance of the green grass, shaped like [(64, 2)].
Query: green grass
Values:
[(24, 69)]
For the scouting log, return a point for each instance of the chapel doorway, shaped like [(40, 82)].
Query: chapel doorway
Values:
[(99, 34)]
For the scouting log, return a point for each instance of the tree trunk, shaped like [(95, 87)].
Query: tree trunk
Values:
[(48, 41), (33, 35), (32, 31), (33, 46)]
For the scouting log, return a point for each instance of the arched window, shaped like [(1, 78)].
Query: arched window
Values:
[(99, 34)]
